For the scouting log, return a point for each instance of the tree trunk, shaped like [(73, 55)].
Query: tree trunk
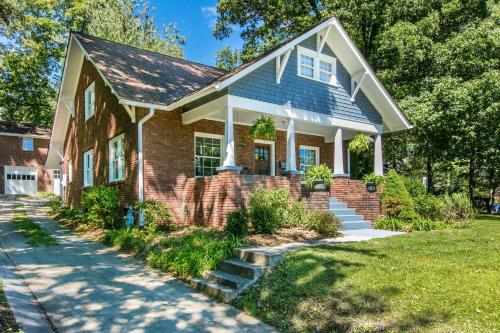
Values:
[(430, 176), (472, 177)]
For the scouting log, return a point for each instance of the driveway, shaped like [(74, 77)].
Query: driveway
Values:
[(84, 286)]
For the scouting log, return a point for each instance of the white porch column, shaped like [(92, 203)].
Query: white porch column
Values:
[(291, 154), (379, 161), (338, 154), (230, 160)]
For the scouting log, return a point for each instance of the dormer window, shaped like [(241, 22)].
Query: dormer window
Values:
[(316, 66), (89, 101)]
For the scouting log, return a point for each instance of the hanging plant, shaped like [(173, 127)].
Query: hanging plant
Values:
[(360, 143), (263, 128)]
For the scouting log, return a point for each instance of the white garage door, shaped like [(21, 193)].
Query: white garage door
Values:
[(20, 180)]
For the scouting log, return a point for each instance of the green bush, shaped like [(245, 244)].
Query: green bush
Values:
[(55, 205), (43, 194), (389, 223), (415, 187), (458, 207), (128, 239), (318, 173), (429, 206), (73, 214), (324, 223), (100, 203), (265, 220), (425, 224), (372, 178), (396, 200), (237, 223), (157, 216), (297, 215)]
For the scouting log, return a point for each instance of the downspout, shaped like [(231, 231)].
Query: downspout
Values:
[(140, 161)]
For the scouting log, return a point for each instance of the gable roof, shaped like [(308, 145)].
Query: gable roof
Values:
[(24, 129), (144, 76)]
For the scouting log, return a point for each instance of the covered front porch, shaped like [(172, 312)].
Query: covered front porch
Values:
[(303, 139)]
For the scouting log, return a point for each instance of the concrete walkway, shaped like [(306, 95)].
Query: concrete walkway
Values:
[(86, 287)]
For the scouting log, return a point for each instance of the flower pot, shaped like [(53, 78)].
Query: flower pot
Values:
[(319, 185)]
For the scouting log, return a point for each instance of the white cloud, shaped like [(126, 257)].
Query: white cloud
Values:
[(210, 14)]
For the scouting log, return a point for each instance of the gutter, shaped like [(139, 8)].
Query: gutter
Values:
[(140, 166)]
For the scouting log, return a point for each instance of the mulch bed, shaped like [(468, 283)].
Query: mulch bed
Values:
[(283, 236), (7, 320)]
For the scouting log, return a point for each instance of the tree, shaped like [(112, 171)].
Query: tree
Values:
[(228, 59)]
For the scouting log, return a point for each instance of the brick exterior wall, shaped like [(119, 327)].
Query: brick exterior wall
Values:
[(109, 120), (354, 194), (12, 154)]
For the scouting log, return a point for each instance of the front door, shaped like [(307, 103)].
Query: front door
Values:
[(263, 159), (57, 182)]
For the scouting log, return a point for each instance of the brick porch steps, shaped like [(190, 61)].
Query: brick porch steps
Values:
[(236, 274), (348, 217)]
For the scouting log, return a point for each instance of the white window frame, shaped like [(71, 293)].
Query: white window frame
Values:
[(120, 160), (212, 136), (309, 148), (316, 70), (70, 171), (89, 101), (88, 170), (25, 140)]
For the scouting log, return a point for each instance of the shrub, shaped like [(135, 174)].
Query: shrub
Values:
[(237, 223), (389, 223), (100, 203), (458, 207), (265, 220), (55, 204), (395, 198), (429, 206), (425, 224), (73, 214), (43, 194), (157, 216), (372, 178), (264, 202), (296, 215), (324, 223), (415, 187), (318, 172)]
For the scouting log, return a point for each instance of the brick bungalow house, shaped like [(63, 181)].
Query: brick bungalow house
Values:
[(23, 150), (168, 129)]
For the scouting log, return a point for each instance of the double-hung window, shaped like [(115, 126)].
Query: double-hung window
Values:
[(28, 144), (207, 153), (117, 158), (89, 101), (309, 156), (88, 168), (316, 66)]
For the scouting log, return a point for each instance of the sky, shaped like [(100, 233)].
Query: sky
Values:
[(196, 20)]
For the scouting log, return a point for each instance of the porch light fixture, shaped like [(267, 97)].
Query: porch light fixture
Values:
[(371, 187)]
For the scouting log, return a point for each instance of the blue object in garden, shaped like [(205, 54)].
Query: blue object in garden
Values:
[(129, 218), (495, 208)]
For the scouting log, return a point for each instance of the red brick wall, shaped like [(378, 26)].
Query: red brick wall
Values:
[(354, 194), (109, 120), (12, 154)]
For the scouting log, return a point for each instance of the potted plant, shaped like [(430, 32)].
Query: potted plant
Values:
[(263, 128), (359, 143), (318, 177)]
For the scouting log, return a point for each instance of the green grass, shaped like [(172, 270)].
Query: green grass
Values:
[(34, 234), (7, 320), (438, 281), (189, 253)]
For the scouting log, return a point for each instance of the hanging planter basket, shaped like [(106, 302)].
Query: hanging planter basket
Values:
[(263, 128), (359, 143)]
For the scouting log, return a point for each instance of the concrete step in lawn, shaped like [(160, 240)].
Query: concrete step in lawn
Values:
[(238, 273), (347, 216)]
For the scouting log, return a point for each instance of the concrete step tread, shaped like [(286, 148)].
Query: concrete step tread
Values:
[(227, 279), (244, 264), (219, 291), (260, 256)]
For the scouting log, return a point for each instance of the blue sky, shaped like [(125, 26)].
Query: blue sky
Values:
[(195, 19)]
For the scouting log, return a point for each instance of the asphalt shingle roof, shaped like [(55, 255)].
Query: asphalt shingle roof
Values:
[(24, 129), (145, 76)]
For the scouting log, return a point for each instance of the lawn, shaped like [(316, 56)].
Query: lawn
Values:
[(438, 281), (7, 320)]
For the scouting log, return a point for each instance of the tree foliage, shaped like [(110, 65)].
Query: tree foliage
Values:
[(228, 59), (33, 38)]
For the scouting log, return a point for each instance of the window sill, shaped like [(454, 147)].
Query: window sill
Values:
[(116, 181), (335, 85)]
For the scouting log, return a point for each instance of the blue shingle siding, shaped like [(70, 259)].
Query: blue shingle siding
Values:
[(306, 94)]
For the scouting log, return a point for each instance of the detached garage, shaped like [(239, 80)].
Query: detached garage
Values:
[(23, 150), (20, 180)]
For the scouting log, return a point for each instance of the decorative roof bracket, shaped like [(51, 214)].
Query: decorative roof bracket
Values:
[(281, 64), (359, 82)]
